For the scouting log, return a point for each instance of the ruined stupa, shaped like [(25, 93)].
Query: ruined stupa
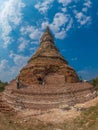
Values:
[(47, 81), (45, 62)]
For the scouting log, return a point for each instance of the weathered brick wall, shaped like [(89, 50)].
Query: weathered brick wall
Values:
[(48, 96)]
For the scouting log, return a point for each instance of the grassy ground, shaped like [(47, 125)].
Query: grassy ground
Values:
[(87, 121)]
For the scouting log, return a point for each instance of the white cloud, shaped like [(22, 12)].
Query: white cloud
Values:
[(65, 2), (87, 74), (19, 60), (3, 64), (44, 25), (10, 13), (84, 74), (85, 9), (34, 35), (44, 6), (64, 9), (82, 19), (33, 32), (22, 44), (58, 25), (11, 16), (61, 34), (70, 24), (8, 72), (88, 3), (60, 19), (6, 76)]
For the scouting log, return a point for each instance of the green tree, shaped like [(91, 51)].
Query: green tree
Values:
[(94, 82), (2, 85)]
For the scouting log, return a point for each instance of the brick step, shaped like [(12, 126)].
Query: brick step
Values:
[(37, 99), (3, 107), (48, 96), (31, 95), (37, 106), (21, 100), (41, 105)]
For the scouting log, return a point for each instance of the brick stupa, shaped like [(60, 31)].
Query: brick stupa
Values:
[(45, 62), (47, 81)]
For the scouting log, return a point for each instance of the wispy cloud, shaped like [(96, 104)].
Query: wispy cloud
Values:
[(10, 17), (82, 19), (23, 43), (65, 2), (61, 22), (87, 74), (3, 64), (61, 25), (60, 19), (88, 3), (33, 32), (44, 6), (8, 71), (58, 24), (19, 60)]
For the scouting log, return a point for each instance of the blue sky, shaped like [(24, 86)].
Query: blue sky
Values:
[(73, 23)]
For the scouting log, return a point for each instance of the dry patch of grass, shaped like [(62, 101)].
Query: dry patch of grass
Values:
[(88, 120)]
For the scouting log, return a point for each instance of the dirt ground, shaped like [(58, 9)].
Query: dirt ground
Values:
[(55, 119), (58, 115)]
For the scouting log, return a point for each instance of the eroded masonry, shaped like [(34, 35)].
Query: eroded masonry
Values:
[(47, 81)]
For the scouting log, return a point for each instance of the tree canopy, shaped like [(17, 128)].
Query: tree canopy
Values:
[(94, 82), (2, 85)]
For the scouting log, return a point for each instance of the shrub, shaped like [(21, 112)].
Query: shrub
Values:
[(2, 85), (94, 82)]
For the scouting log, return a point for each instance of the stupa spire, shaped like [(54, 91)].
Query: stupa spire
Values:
[(47, 36), (47, 47), (47, 29)]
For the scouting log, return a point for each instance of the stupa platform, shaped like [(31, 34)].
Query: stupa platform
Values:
[(45, 97), (47, 81)]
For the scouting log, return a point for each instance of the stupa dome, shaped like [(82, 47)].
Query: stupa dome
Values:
[(45, 62)]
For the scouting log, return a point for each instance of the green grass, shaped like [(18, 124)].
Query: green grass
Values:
[(88, 119)]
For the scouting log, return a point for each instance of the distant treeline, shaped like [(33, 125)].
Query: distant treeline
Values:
[(94, 82), (2, 85)]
